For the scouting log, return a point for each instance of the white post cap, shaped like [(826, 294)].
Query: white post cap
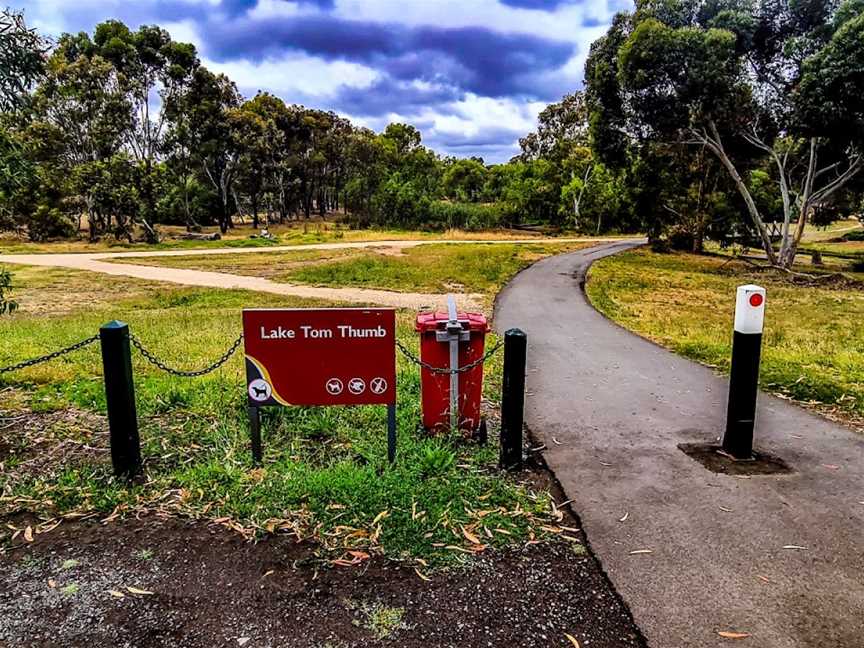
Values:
[(750, 309)]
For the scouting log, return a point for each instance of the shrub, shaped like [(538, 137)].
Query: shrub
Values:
[(7, 305), (660, 246), (680, 239), (854, 235), (466, 216), (49, 222)]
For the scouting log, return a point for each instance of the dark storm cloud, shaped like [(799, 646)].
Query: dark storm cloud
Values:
[(387, 95), (487, 138), (543, 5), (424, 72), (475, 59)]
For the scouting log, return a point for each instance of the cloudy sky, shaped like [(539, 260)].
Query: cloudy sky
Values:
[(470, 74)]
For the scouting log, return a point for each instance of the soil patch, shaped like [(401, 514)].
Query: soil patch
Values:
[(167, 582), (46, 443), (714, 459)]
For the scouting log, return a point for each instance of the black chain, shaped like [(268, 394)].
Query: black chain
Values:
[(49, 356), (152, 359), (446, 370)]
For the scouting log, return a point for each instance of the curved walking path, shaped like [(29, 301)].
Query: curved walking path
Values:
[(611, 409), (101, 262)]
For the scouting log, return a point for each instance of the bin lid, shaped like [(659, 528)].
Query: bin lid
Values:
[(438, 320)]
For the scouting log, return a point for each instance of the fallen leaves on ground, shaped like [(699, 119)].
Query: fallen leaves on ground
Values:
[(726, 634), (572, 640), (356, 558), (138, 592)]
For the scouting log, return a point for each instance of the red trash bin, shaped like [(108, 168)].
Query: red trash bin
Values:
[(435, 334)]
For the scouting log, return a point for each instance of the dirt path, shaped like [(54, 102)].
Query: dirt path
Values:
[(693, 553), (98, 262)]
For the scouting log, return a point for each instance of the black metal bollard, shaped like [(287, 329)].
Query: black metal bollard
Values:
[(513, 398), (120, 398), (744, 373)]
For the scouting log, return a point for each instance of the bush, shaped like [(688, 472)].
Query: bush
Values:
[(660, 246), (466, 216), (7, 305), (854, 235), (49, 222), (680, 239)]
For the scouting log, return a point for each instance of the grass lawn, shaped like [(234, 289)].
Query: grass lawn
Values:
[(325, 474), (813, 348), (472, 268)]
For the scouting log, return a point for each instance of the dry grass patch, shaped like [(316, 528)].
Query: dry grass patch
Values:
[(813, 352)]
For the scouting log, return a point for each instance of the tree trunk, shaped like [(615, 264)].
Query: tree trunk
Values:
[(716, 145)]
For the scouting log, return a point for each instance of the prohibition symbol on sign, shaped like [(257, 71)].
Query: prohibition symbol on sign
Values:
[(378, 386), (334, 386), (356, 385)]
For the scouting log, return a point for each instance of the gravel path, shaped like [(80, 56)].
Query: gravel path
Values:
[(694, 553), (98, 262)]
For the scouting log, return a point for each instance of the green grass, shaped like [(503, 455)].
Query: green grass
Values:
[(474, 268), (379, 619), (813, 351), (325, 475), (434, 268)]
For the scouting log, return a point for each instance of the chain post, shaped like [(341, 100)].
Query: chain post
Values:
[(513, 398), (120, 398)]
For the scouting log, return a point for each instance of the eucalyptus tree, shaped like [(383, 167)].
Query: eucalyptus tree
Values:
[(745, 80), (561, 126), (464, 180), (200, 119), (152, 71), (81, 105), (23, 53), (258, 141)]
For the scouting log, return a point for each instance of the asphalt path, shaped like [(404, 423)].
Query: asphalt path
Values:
[(693, 553)]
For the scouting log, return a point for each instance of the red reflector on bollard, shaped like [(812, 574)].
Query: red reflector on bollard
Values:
[(756, 300)]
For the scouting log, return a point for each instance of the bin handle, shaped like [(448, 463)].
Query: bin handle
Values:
[(451, 308)]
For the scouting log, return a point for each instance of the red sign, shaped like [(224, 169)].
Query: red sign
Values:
[(320, 356)]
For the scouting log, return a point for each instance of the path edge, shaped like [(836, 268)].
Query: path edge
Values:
[(539, 456)]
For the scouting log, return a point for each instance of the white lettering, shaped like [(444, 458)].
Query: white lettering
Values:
[(348, 331), (278, 333), (315, 334), (311, 333)]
